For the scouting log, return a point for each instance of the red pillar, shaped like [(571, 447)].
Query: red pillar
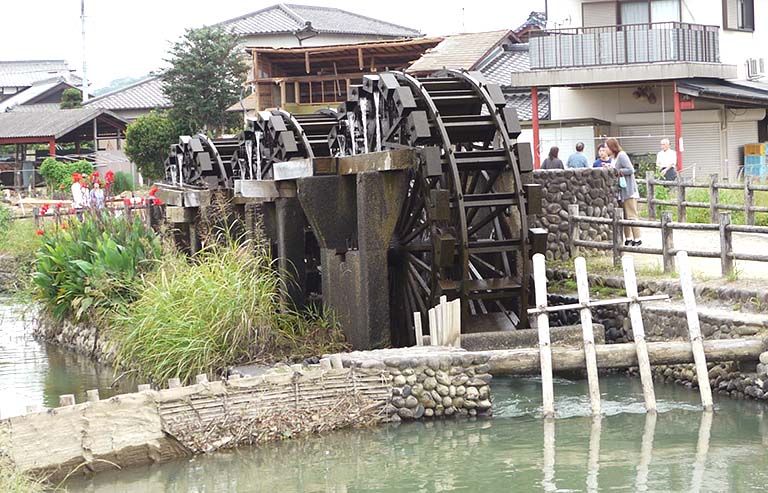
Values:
[(52, 147), (678, 130), (535, 120)]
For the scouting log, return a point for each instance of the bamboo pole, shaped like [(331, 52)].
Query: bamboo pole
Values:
[(456, 318), (445, 321), (636, 318), (433, 336), (417, 328), (593, 461), (548, 467), (694, 330), (582, 283), (646, 451), (545, 351)]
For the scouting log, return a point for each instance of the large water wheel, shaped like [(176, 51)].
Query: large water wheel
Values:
[(463, 229)]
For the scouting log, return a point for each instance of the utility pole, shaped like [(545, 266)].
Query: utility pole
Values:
[(85, 70)]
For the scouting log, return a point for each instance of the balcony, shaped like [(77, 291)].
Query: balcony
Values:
[(624, 45)]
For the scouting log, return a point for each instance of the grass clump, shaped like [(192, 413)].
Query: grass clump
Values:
[(14, 481), (86, 269), (221, 308)]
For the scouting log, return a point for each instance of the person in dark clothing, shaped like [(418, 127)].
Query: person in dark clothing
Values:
[(604, 161), (552, 162)]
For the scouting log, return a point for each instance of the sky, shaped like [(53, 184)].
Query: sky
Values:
[(130, 38)]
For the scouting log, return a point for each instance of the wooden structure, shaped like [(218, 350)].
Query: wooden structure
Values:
[(304, 79), (668, 227), (680, 185), (642, 357), (50, 128)]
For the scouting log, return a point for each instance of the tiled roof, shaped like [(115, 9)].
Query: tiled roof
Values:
[(145, 94), (21, 73), (56, 123), (500, 69), (287, 18), (536, 20), (521, 100), (462, 51), (36, 107), (30, 93)]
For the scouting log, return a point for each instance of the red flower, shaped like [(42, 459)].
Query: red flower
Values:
[(110, 176), (59, 205), (95, 174), (153, 191), (40, 232), (127, 201), (63, 225), (76, 177), (158, 202)]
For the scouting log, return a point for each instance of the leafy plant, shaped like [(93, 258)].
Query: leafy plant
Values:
[(71, 98), (58, 175), (90, 267), (221, 308), (123, 182), (205, 78), (148, 140)]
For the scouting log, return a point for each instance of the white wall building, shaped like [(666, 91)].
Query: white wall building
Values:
[(626, 61)]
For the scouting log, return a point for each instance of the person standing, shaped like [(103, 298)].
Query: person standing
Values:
[(578, 159), (628, 193), (552, 161), (603, 161), (666, 161), (97, 196)]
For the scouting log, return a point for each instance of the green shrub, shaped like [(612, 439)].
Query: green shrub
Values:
[(58, 175), (123, 183), (6, 217), (71, 98), (89, 268), (221, 308)]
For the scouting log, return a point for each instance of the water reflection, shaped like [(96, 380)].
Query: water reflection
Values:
[(33, 374), (677, 450)]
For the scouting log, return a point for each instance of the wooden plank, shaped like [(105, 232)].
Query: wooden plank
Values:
[(694, 330), (582, 283), (179, 215), (636, 319), (456, 305), (417, 329), (434, 337), (378, 161), (545, 351)]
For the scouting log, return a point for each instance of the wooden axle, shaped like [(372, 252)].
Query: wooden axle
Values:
[(526, 361)]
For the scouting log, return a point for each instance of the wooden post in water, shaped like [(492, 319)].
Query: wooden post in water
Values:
[(646, 451), (694, 329), (593, 460), (545, 351), (702, 449), (548, 467), (582, 282), (636, 318), (417, 329)]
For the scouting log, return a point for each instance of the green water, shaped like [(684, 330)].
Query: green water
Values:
[(681, 449)]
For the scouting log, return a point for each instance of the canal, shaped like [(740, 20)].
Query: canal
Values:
[(681, 449)]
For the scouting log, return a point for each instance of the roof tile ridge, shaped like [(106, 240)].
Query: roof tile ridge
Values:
[(299, 19), (124, 88), (320, 7)]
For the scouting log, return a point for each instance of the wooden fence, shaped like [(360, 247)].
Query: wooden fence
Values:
[(715, 207), (127, 210), (668, 228)]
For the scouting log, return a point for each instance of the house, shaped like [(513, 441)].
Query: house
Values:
[(133, 100), (18, 75), (651, 69), (306, 79), (291, 25), (41, 95)]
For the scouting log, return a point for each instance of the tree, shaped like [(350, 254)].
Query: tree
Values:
[(71, 98), (148, 140), (205, 78)]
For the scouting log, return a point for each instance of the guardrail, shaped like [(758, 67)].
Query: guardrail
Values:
[(681, 184), (667, 227)]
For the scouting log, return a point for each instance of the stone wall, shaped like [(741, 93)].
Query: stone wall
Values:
[(593, 189), (82, 338), (430, 382)]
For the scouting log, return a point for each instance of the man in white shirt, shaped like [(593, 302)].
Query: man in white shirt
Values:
[(666, 161)]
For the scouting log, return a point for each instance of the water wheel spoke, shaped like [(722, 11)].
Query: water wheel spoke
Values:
[(417, 277), (492, 215), (504, 255), (487, 265), (415, 232), (413, 288), (419, 263)]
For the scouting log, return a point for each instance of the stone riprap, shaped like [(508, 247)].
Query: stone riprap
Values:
[(82, 338), (429, 382), (593, 189)]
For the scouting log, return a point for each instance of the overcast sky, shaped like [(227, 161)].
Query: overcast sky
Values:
[(129, 38)]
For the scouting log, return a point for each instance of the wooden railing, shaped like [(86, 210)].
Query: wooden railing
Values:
[(667, 227), (681, 185)]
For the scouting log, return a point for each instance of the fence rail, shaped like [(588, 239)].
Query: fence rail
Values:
[(667, 227), (681, 185)]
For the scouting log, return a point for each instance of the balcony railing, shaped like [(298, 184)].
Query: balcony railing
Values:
[(624, 44)]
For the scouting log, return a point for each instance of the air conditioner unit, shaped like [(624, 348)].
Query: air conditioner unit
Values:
[(755, 68)]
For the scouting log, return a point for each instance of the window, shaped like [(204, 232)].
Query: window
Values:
[(645, 11), (739, 15)]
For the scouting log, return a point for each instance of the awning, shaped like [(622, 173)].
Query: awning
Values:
[(742, 94)]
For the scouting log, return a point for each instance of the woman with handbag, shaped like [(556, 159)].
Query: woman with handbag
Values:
[(628, 193)]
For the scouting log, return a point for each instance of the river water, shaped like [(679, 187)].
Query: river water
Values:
[(680, 449)]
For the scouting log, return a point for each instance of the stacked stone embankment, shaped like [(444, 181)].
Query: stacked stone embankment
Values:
[(592, 189)]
